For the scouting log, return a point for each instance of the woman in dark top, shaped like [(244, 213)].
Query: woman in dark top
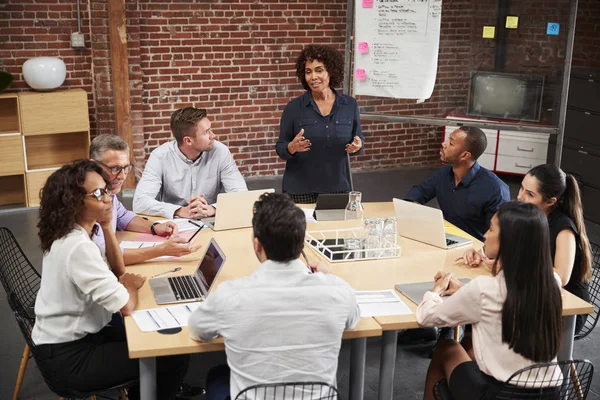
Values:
[(318, 129), (557, 195)]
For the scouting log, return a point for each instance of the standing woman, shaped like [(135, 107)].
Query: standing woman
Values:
[(557, 195), (79, 292), (318, 129)]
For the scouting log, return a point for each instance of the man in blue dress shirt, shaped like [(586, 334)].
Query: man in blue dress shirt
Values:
[(468, 194)]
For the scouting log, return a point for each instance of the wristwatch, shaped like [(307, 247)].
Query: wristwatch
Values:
[(152, 228)]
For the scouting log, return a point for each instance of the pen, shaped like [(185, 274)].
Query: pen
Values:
[(194, 235), (188, 308), (310, 270), (197, 224), (166, 272), (150, 314)]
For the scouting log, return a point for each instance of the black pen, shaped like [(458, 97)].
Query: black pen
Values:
[(197, 224), (310, 270), (194, 235)]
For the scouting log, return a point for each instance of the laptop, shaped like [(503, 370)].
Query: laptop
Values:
[(195, 287), (331, 207), (425, 224), (234, 210)]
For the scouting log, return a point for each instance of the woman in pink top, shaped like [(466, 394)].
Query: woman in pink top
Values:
[(516, 313)]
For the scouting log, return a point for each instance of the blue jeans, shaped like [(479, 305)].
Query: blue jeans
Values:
[(217, 383)]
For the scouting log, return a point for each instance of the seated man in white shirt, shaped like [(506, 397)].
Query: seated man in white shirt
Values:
[(183, 177), (282, 323), (112, 153)]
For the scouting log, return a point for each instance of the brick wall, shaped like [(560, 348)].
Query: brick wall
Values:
[(235, 57)]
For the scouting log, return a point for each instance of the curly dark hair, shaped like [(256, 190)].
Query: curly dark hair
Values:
[(334, 63), (280, 226), (61, 200)]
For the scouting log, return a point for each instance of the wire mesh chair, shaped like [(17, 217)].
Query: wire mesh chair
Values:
[(541, 382), (290, 390), (594, 290), (21, 282)]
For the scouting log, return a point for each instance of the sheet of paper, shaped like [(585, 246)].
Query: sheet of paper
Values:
[(403, 40), (154, 319), (309, 214), (379, 303), (184, 224), (137, 245)]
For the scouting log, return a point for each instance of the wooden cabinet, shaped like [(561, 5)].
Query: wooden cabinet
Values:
[(511, 152), (39, 132)]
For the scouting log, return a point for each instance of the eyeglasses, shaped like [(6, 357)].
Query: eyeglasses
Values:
[(116, 169), (100, 194)]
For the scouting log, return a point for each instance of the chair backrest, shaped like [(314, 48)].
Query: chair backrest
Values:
[(594, 290), (20, 279), (541, 381), (290, 390)]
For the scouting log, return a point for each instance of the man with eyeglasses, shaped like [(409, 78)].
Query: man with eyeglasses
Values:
[(112, 153), (183, 177)]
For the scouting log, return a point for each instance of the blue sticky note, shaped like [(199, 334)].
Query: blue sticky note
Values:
[(553, 28)]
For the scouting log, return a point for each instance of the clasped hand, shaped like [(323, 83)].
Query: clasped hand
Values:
[(445, 284)]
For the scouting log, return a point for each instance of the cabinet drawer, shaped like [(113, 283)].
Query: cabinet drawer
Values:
[(35, 182), (517, 165), (582, 126), (522, 145), (11, 154), (584, 93), (583, 165), (590, 197), (491, 135), (54, 112)]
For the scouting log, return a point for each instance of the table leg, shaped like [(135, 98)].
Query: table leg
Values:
[(387, 368), (566, 342), (148, 378), (358, 357)]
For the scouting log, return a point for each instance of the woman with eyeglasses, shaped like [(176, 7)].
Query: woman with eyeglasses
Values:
[(76, 349), (516, 313)]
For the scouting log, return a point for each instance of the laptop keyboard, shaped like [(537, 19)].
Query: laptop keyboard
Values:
[(450, 242), (184, 287)]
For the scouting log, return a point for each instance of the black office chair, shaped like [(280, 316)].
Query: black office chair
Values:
[(290, 390), (594, 289), (574, 383), (21, 282)]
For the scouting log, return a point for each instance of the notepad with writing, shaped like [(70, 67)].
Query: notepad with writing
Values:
[(415, 291)]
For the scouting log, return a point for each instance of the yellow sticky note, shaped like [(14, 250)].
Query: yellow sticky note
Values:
[(512, 22), (489, 32)]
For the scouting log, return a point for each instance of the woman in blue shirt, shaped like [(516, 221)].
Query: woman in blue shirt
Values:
[(318, 129)]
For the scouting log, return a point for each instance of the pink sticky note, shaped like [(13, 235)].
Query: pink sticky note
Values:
[(361, 74), (363, 47), (367, 3)]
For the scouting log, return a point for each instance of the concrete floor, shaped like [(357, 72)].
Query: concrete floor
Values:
[(412, 358)]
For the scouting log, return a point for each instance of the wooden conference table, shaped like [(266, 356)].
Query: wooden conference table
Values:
[(418, 263)]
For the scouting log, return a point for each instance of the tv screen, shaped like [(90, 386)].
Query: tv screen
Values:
[(505, 96)]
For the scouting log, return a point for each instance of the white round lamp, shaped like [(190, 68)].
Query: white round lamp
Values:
[(44, 73)]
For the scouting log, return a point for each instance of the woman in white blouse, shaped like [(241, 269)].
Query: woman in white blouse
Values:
[(79, 292), (516, 313)]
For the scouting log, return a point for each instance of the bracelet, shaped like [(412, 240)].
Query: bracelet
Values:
[(152, 228)]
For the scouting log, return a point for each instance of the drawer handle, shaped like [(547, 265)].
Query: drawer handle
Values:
[(523, 166), (527, 150)]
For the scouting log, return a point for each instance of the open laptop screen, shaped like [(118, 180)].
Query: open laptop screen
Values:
[(209, 267)]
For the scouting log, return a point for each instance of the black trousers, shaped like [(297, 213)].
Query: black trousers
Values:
[(99, 361)]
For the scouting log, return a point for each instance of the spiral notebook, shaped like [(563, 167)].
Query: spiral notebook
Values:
[(415, 291)]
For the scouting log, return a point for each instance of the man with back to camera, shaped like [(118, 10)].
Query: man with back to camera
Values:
[(281, 323), (112, 153), (468, 194), (183, 177)]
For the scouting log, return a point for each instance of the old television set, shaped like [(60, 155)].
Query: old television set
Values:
[(505, 96)]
